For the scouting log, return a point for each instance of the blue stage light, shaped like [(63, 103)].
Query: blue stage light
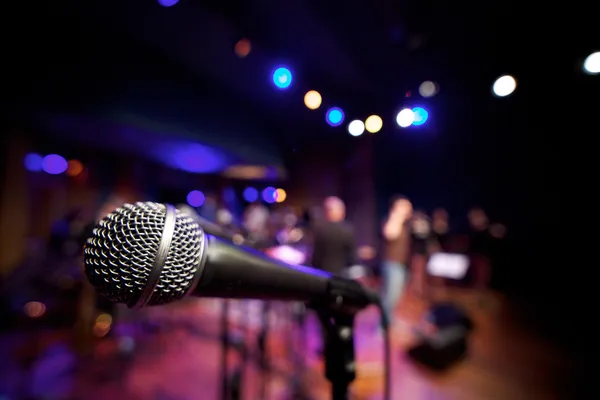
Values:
[(282, 78), (196, 198), (421, 116), (250, 194), (33, 162), (334, 116)]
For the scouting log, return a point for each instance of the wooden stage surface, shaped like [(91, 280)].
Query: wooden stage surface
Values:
[(180, 360)]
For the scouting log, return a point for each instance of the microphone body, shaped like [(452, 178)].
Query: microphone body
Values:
[(232, 271), (150, 254)]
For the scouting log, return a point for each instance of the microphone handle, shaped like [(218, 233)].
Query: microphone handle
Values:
[(237, 272)]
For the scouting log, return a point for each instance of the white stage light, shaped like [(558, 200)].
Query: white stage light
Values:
[(405, 118), (591, 65), (504, 86), (428, 89), (356, 127)]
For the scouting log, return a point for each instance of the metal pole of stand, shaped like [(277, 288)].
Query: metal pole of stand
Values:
[(242, 348), (225, 392), (340, 368), (262, 348), (298, 348)]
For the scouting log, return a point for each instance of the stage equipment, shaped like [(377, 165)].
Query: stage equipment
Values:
[(444, 337), (150, 254)]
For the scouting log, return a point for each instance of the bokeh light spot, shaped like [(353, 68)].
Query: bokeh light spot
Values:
[(280, 195), (54, 164), (282, 78), (250, 194), (335, 116), (33, 162), (196, 198)]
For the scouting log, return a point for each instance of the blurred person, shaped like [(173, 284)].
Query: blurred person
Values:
[(255, 224), (334, 246), (396, 243), (480, 242), (290, 232), (421, 234), (440, 227)]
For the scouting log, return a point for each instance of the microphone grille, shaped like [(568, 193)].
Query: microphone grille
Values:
[(120, 254)]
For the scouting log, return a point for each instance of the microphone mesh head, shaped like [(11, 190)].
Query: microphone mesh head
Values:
[(120, 254)]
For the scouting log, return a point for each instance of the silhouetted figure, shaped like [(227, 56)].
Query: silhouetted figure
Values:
[(420, 227), (334, 246), (440, 227), (479, 247), (396, 243)]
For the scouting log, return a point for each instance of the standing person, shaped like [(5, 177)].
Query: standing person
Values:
[(420, 228), (396, 238), (480, 242), (440, 226), (255, 224), (334, 245)]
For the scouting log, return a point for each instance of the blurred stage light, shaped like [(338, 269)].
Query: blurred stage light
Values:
[(54, 164), (34, 309), (282, 78), (242, 48), (334, 116), (591, 65), (373, 124), (405, 118), (33, 162), (312, 99), (74, 168), (356, 127), (269, 195), (504, 86), (250, 194), (280, 195), (196, 198), (167, 3), (191, 157), (428, 89), (420, 116)]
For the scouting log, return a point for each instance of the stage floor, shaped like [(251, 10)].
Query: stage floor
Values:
[(179, 358)]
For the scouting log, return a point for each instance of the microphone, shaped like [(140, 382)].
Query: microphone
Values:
[(149, 254)]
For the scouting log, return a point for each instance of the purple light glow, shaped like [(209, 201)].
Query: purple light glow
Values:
[(54, 164), (269, 195), (196, 198), (168, 3), (195, 158)]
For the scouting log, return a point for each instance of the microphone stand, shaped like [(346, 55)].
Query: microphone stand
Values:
[(340, 368), (337, 312)]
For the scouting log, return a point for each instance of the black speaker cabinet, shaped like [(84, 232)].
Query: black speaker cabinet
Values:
[(448, 343)]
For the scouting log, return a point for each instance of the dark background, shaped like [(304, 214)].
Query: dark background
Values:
[(173, 70)]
